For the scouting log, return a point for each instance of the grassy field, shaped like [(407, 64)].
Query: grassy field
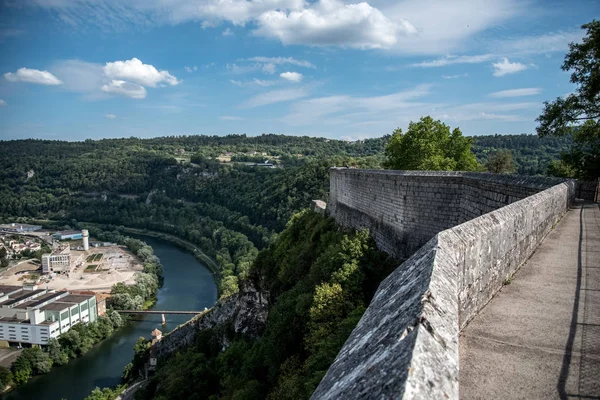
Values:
[(91, 268)]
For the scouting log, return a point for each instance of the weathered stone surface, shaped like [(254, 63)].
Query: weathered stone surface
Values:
[(406, 344), (246, 311), (318, 206)]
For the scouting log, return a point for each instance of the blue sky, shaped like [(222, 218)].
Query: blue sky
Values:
[(77, 69)]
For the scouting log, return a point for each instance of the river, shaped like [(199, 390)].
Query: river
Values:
[(188, 285)]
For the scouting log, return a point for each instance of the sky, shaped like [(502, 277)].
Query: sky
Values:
[(79, 69)]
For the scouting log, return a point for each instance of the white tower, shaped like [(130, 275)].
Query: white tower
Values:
[(86, 239)]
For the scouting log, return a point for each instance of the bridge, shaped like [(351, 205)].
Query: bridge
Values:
[(162, 312)]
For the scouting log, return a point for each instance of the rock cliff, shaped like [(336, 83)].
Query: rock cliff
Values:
[(246, 312)]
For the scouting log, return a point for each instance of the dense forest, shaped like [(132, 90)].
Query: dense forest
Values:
[(320, 281), (192, 186)]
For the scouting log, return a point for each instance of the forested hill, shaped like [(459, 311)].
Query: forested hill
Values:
[(215, 191)]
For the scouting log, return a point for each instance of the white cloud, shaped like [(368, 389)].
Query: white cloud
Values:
[(489, 111), (33, 76), (97, 81), (135, 71), (359, 107), (291, 76), (81, 77), (275, 96), (516, 92), (227, 32), (333, 23), (230, 118), (400, 26), (110, 116), (242, 69), (269, 68), (191, 69), (282, 61), (2, 103), (253, 82), (125, 88), (447, 26), (540, 44), (506, 67), (455, 76), (449, 60)]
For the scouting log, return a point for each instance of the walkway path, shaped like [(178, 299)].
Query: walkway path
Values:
[(539, 338)]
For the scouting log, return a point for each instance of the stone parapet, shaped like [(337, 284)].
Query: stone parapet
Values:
[(470, 232)]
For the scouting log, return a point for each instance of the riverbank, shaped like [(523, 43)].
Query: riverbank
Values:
[(186, 245), (188, 285)]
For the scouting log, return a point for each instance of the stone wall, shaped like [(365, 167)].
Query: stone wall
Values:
[(406, 343), (404, 209)]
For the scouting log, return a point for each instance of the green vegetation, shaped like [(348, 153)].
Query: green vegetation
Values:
[(91, 268), (6, 378), (106, 393), (429, 145), (228, 210), (501, 162), (320, 281), (94, 257), (578, 114), (71, 344)]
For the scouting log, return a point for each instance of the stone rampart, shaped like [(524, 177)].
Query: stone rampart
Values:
[(406, 343)]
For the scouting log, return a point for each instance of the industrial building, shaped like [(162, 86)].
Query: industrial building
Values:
[(19, 228), (34, 316), (68, 235), (58, 261)]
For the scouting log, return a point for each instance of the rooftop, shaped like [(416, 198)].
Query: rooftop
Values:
[(56, 306), (49, 296), (22, 296), (76, 298), (8, 288), (14, 320), (69, 232), (17, 225)]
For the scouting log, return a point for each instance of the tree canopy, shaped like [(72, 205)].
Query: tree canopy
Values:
[(501, 162), (429, 145), (578, 114)]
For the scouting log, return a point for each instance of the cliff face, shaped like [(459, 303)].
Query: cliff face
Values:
[(246, 312)]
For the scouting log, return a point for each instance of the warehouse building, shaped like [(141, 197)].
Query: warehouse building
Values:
[(19, 228), (34, 316), (68, 235)]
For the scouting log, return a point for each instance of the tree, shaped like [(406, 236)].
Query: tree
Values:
[(501, 162), (429, 145), (5, 377), (578, 114), (56, 352)]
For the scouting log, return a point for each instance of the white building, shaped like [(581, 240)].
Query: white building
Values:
[(31, 315), (58, 261)]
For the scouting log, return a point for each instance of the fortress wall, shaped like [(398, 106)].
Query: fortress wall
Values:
[(406, 343), (402, 209)]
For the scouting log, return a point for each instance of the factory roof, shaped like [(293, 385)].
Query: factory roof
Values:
[(14, 320), (8, 288), (69, 232), (75, 298), (22, 296), (56, 306), (46, 297)]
